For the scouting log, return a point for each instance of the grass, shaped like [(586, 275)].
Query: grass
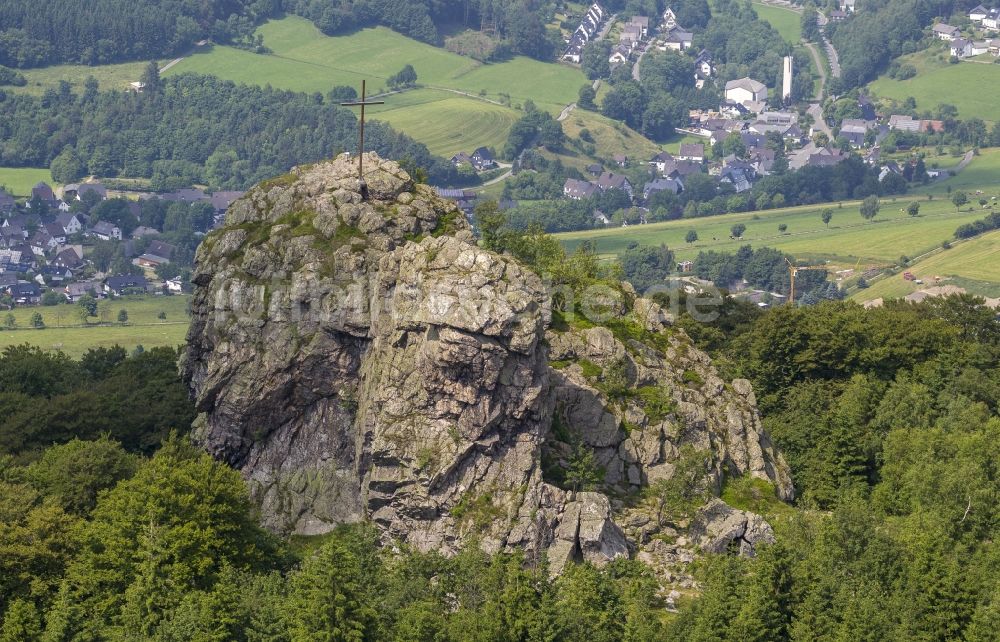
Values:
[(848, 239), (108, 76), (430, 116), (984, 170), (972, 264), (20, 180), (304, 59), (937, 81), (610, 137), (785, 21), (64, 332)]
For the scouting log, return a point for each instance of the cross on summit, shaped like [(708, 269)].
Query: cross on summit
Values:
[(362, 186)]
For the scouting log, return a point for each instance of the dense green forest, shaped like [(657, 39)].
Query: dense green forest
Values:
[(190, 129), (37, 33)]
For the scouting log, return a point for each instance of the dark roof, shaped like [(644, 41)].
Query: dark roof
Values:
[(184, 195), (482, 153), (222, 200), (159, 248), (126, 281), (25, 289), (105, 228), (96, 188)]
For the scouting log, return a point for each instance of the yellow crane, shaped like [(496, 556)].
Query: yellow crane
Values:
[(793, 270)]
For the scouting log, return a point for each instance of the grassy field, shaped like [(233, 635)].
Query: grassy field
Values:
[(20, 180), (983, 173), (64, 332), (973, 264), (963, 85), (108, 76), (848, 239), (304, 59), (786, 21), (430, 116), (610, 137)]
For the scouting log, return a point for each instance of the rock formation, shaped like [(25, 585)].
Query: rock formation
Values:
[(367, 360)]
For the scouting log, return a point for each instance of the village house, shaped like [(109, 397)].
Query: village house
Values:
[(157, 253), (977, 13), (661, 185), (578, 190), (992, 19), (903, 123), (847, 6), (838, 15), (960, 48), (677, 39), (7, 203), (746, 90), (124, 284), (685, 266), (854, 130), (946, 32), (482, 159), (106, 231), (694, 152), (621, 160), (69, 258), (25, 293), (660, 161), (610, 180), (69, 223), (76, 291)]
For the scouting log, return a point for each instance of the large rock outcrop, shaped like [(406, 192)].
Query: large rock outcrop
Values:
[(365, 359)]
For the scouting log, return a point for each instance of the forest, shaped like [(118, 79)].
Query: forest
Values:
[(190, 129), (35, 34)]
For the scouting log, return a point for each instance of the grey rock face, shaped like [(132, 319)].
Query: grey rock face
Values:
[(718, 528), (666, 399), (364, 359)]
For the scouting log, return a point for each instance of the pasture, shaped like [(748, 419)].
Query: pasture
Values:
[(972, 264), (965, 83), (304, 59), (20, 180), (785, 21), (64, 330), (847, 240), (430, 116), (117, 76), (453, 110)]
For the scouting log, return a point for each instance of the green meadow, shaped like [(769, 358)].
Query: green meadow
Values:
[(847, 240), (116, 76), (965, 85), (972, 264), (20, 180), (64, 330), (304, 59), (433, 116), (785, 21), (455, 108)]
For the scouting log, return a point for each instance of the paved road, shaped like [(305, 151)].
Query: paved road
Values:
[(499, 178), (831, 53), (817, 113)]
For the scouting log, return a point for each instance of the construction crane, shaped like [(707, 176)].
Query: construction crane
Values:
[(793, 270)]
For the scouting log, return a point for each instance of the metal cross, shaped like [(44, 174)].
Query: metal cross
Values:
[(362, 186)]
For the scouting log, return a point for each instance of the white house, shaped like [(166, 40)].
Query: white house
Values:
[(946, 32), (977, 14), (746, 90), (992, 19), (960, 47), (69, 222)]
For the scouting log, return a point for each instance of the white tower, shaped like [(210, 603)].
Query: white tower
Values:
[(786, 87)]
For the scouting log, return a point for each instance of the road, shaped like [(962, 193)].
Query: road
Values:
[(831, 53), (499, 178), (564, 114), (816, 112)]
